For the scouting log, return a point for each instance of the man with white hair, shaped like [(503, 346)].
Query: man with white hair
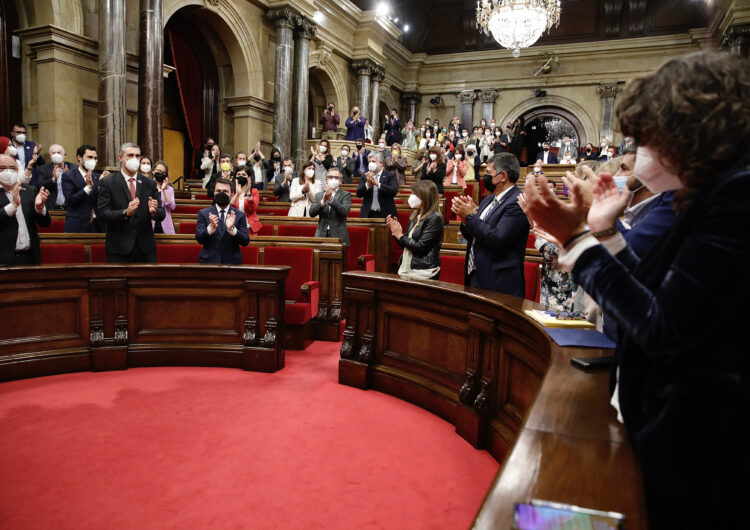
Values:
[(50, 176), (377, 187), (21, 209)]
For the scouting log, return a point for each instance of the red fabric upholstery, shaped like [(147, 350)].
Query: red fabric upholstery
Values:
[(297, 230), (396, 250), (97, 254), (359, 241), (269, 198), (187, 209), (452, 269), (55, 227), (449, 196), (187, 228), (166, 253), (301, 262), (357, 200), (280, 212), (249, 255), (470, 188), (62, 254), (531, 240), (354, 212), (531, 272), (265, 230), (201, 197), (297, 313)]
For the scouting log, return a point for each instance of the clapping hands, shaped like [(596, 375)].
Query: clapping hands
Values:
[(394, 226)]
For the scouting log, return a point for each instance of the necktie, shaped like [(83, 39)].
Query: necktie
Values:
[(132, 188), (483, 216), (222, 221), (375, 201)]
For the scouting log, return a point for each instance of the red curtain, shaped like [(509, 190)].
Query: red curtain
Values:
[(190, 87)]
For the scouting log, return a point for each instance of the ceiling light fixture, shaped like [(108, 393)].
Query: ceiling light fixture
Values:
[(517, 24)]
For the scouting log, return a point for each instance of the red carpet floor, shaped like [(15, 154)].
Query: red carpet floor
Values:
[(223, 448)]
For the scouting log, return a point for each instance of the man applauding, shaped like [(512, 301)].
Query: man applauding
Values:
[(222, 228)]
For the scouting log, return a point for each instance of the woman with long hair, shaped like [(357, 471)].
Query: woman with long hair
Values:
[(302, 190), (434, 168)]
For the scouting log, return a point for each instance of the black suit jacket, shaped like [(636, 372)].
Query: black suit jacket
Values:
[(80, 204), (9, 224), (28, 149), (44, 178), (124, 232), (386, 191)]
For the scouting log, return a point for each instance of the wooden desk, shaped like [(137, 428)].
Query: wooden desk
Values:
[(475, 359), (57, 319)]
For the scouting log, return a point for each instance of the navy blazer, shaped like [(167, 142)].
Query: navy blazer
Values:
[(361, 158), (79, 203), (551, 158), (355, 130), (499, 245), (28, 149), (221, 247), (650, 223), (386, 192)]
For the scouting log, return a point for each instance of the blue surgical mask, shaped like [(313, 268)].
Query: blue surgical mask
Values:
[(621, 181)]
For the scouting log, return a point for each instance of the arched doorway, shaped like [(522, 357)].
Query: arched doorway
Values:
[(551, 124), (320, 93)]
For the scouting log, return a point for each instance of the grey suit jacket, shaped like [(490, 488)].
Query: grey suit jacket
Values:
[(332, 216)]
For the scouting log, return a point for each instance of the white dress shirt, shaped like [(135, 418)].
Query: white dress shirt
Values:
[(489, 207), (23, 239), (211, 229)]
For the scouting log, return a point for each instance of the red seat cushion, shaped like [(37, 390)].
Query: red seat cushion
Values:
[(532, 278), (269, 198), (249, 255), (297, 230), (298, 313), (301, 262), (201, 197), (166, 253), (55, 227), (187, 209), (187, 228), (531, 240), (97, 254), (279, 212), (452, 269), (265, 230), (359, 243), (62, 254), (449, 196)]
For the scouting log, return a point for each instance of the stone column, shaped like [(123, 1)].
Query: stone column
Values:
[(112, 74), (608, 93), (151, 79), (306, 31), (378, 74), (363, 70), (736, 40), (488, 103), (467, 98), (285, 20), (412, 99)]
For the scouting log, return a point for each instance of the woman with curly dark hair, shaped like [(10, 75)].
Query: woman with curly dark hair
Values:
[(682, 347)]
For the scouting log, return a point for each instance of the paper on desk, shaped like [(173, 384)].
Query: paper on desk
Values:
[(551, 322)]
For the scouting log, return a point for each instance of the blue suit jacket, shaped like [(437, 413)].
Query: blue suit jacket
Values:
[(650, 223), (221, 247), (360, 158), (551, 158), (499, 245), (28, 149), (78, 202)]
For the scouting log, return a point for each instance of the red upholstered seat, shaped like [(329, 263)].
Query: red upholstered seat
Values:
[(187, 209), (357, 200), (358, 256), (532, 277), (201, 197), (531, 240), (97, 254), (280, 212), (269, 198), (452, 269), (297, 230), (449, 196), (249, 255), (265, 230), (469, 191), (354, 213), (55, 227), (187, 228), (166, 253), (300, 278), (396, 250), (62, 254)]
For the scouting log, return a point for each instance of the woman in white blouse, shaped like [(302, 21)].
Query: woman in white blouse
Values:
[(302, 191)]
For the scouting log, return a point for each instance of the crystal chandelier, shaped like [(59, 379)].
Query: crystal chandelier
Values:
[(517, 24)]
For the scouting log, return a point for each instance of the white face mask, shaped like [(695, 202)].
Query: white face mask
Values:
[(57, 158), (241, 162), (8, 177), (372, 166), (621, 181), (497, 133), (344, 153), (427, 135), (12, 151), (537, 169), (465, 135), (145, 168), (288, 169), (323, 149), (458, 156), (382, 146), (132, 165), (89, 164), (649, 170), (433, 156), (23, 178), (20, 138), (333, 183), (414, 202), (309, 173)]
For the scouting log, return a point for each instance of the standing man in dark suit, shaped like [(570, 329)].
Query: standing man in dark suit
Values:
[(24, 151), (392, 128), (127, 203), (222, 228), (496, 231), (21, 209), (361, 158), (331, 206), (81, 187), (283, 180), (377, 187), (50, 175)]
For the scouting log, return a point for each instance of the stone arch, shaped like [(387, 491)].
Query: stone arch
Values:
[(332, 82), (239, 42), (386, 96), (558, 105), (66, 14)]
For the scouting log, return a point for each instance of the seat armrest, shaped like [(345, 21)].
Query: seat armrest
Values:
[(366, 262), (311, 293)]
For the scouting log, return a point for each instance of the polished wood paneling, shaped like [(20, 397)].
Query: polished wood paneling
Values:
[(474, 358)]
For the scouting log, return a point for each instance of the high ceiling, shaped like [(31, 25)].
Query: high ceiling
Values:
[(445, 26)]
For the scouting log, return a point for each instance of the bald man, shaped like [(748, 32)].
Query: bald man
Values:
[(50, 175)]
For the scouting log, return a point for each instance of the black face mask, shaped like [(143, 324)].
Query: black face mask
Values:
[(488, 185), (588, 149), (330, 109), (359, 147), (159, 176), (546, 149), (242, 181), (221, 199), (277, 158), (256, 158)]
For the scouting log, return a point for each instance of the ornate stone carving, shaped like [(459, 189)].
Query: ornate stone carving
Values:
[(363, 67), (214, 3), (96, 331), (365, 351), (121, 330), (378, 73), (468, 391), (269, 340), (251, 331), (324, 57), (637, 16), (306, 28), (323, 310), (482, 402), (489, 96), (335, 314), (285, 17), (347, 346), (608, 91), (467, 98), (411, 98)]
